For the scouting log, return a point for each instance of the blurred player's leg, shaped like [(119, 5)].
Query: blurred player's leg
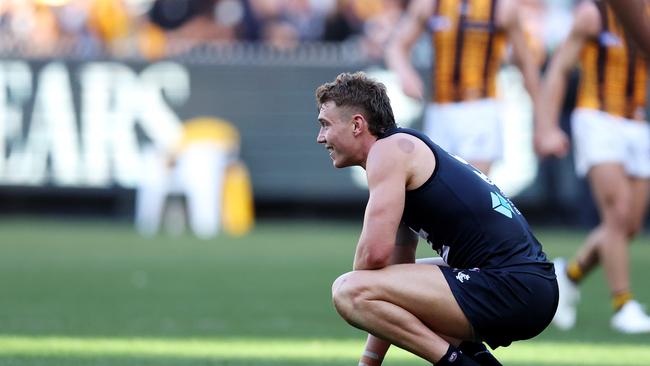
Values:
[(565, 316), (153, 188), (630, 316), (203, 167)]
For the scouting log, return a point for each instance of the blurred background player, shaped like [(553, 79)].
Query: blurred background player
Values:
[(205, 169), (612, 148), (469, 39)]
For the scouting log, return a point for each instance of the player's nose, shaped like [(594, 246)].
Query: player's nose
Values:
[(321, 137)]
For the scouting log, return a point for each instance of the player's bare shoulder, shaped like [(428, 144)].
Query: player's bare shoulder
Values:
[(399, 144), (393, 150), (410, 154), (506, 14), (586, 19)]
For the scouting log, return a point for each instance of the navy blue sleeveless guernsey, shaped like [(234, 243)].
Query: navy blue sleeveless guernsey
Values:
[(467, 219)]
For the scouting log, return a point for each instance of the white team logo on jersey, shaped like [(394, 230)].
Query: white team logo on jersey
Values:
[(610, 39), (453, 357), (462, 277), (439, 23)]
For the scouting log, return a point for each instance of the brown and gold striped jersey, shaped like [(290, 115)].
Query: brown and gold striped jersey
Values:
[(468, 49), (613, 72)]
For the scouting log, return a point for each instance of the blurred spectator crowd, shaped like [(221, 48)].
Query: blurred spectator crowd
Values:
[(161, 28)]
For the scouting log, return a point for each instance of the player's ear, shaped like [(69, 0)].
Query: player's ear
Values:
[(359, 124)]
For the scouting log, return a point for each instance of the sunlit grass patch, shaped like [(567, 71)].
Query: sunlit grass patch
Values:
[(236, 348), (267, 351)]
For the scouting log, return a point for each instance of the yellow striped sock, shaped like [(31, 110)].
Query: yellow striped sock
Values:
[(619, 299), (574, 272)]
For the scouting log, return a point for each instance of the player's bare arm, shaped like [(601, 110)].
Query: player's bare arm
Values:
[(509, 18), (394, 243), (398, 53), (549, 138), (387, 178)]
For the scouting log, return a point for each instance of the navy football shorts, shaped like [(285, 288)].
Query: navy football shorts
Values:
[(505, 304)]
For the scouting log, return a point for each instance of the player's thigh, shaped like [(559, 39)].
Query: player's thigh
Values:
[(420, 289)]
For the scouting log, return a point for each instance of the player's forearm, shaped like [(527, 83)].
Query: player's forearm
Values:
[(524, 60), (380, 256), (398, 58), (374, 352), (551, 96), (531, 78), (368, 258), (375, 247)]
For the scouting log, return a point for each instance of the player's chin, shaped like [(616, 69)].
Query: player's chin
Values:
[(342, 164)]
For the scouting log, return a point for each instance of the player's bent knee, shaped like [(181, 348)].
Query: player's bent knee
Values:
[(618, 218), (633, 229), (338, 282), (348, 294), (339, 294)]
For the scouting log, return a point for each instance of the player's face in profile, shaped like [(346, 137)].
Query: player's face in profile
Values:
[(335, 134)]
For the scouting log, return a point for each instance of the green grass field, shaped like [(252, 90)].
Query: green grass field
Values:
[(87, 293)]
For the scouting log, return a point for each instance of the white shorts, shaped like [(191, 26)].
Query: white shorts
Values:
[(600, 137), (471, 130)]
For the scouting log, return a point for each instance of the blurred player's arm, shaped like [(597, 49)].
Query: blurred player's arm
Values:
[(398, 52), (549, 139), (634, 15), (522, 55)]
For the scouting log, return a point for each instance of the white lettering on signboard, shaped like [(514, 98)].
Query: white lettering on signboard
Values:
[(98, 145), (15, 92)]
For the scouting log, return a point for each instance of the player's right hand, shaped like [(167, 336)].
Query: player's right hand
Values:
[(551, 142)]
